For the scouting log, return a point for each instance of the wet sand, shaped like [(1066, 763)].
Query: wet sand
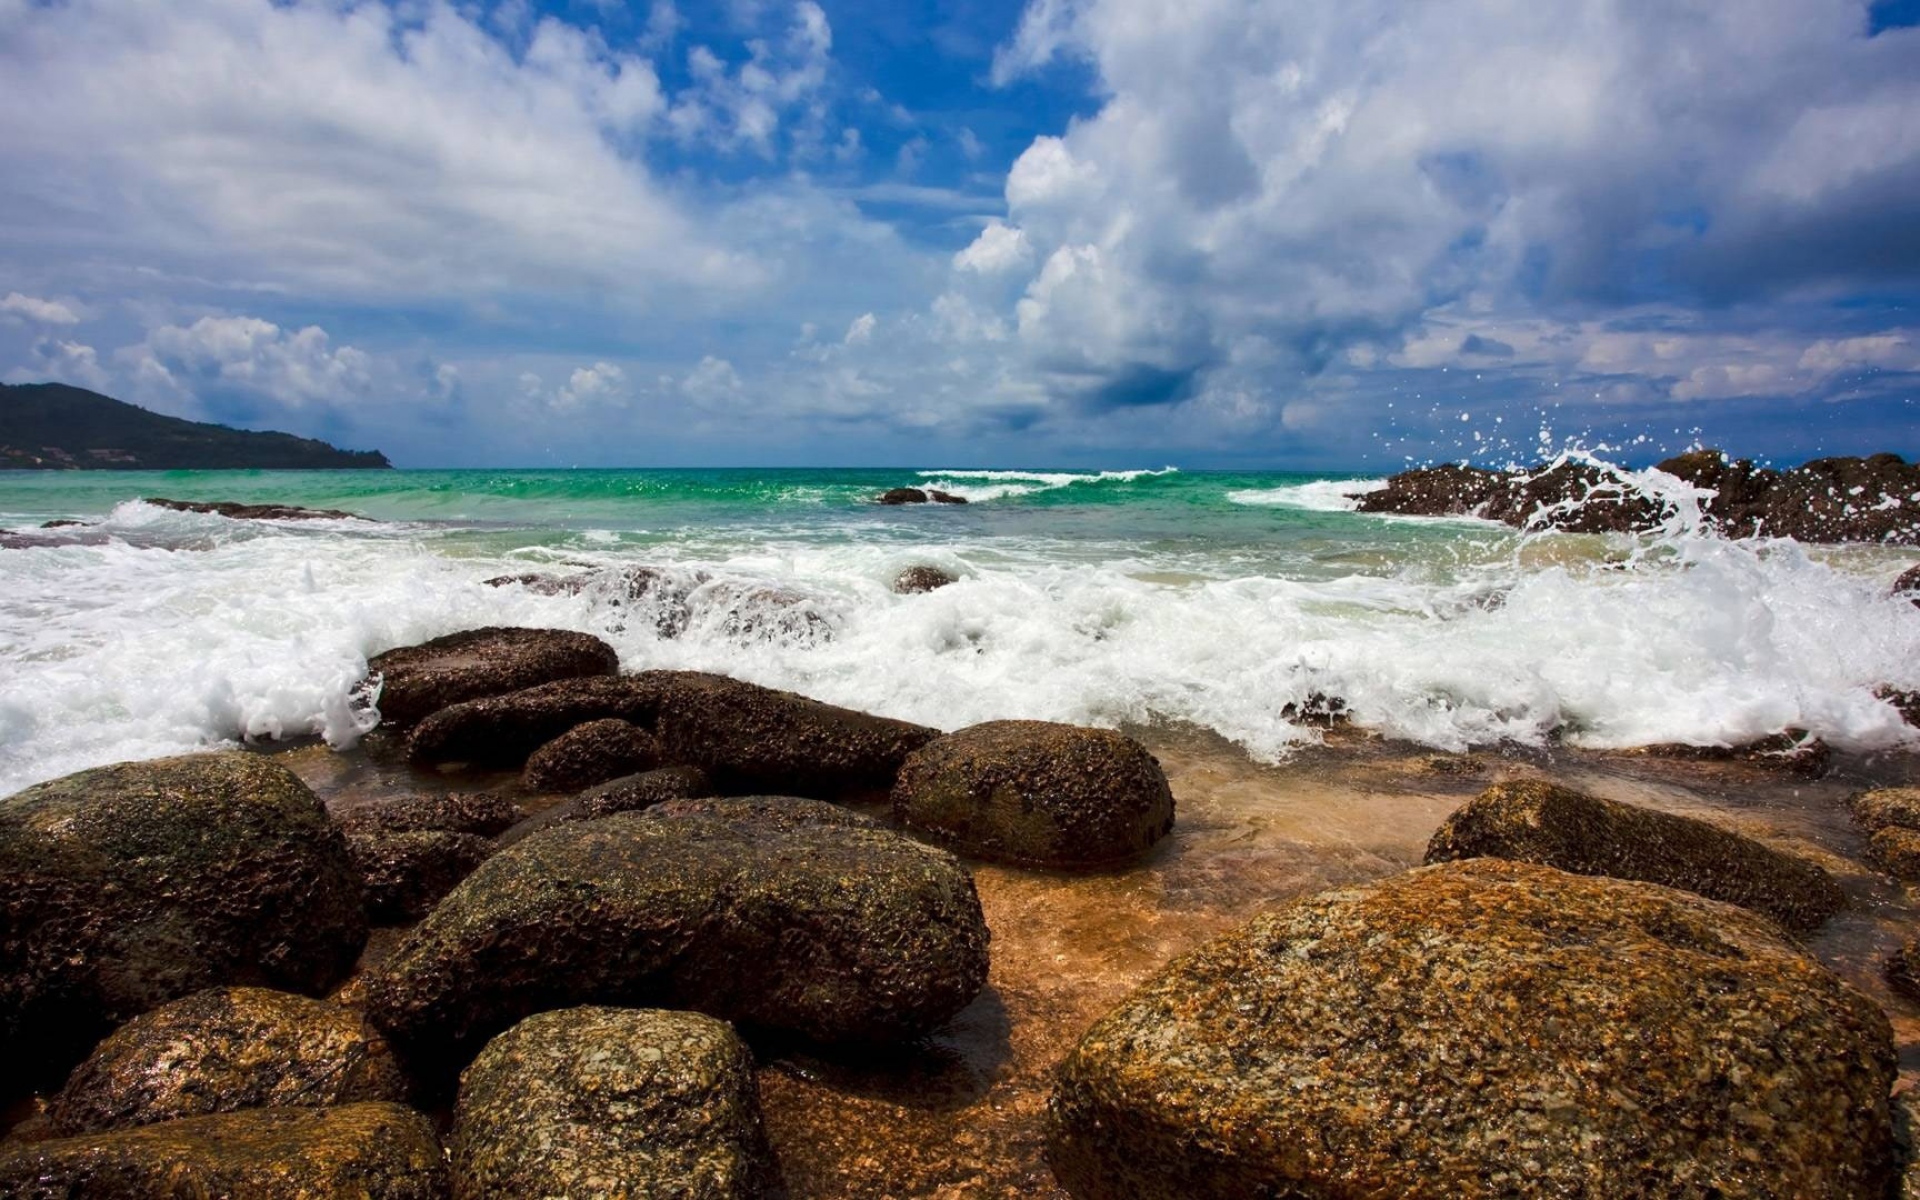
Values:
[(963, 1114)]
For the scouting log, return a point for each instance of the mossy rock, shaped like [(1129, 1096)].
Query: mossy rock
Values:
[(226, 1049), (1884, 808), (612, 1101), (752, 739), (417, 681), (367, 1151), (501, 731), (590, 754), (1036, 793), (483, 814), (1538, 822), (131, 885), (1897, 852), (1484, 1028), (774, 812), (832, 934), (406, 874), (629, 793)]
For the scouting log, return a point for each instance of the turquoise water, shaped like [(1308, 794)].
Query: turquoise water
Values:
[(1213, 599)]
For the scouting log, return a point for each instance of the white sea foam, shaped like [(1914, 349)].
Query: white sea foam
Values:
[(123, 651), (978, 487), (1322, 495)]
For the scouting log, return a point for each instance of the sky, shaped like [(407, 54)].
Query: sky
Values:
[(1293, 234)]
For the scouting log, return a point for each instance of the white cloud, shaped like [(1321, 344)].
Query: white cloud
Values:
[(713, 383), (292, 369), (745, 105), (31, 308), (1000, 247), (603, 383), (860, 332), (60, 361)]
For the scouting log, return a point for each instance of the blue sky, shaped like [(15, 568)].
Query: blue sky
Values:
[(1300, 234)]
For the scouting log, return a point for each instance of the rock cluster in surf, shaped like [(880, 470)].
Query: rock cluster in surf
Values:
[(1873, 499)]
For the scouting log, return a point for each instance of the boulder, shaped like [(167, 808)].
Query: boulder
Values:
[(1443, 491), (1906, 1143), (589, 754), (1538, 822), (1897, 852), (1036, 793), (406, 874), (902, 495), (131, 885), (483, 813), (1902, 969), (1794, 750), (417, 681), (922, 579), (501, 731), (629, 793), (940, 497), (778, 812), (1884, 808), (1908, 584), (371, 1151), (225, 1049), (599, 1101), (1485, 1028), (837, 935), (755, 739)]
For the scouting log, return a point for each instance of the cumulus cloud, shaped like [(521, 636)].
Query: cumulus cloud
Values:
[(32, 308), (713, 383), (61, 361), (744, 105), (860, 332), (1287, 184), (247, 358)]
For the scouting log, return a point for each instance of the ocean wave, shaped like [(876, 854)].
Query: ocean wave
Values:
[(1322, 495), (980, 486)]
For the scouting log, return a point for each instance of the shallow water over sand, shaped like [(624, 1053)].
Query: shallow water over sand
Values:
[(963, 1115)]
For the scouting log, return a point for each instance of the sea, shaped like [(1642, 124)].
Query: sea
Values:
[(1230, 602)]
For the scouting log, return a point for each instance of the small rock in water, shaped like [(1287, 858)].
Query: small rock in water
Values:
[(371, 1151), (226, 1049), (1793, 750), (1896, 851), (1036, 793), (1883, 808), (1484, 1028), (131, 885), (406, 873), (599, 1101), (590, 754), (837, 935), (417, 681), (902, 495), (923, 579), (1538, 822)]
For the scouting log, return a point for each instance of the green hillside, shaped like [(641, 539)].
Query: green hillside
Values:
[(51, 426)]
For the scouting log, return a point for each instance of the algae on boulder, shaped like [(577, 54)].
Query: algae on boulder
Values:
[(371, 1151), (1538, 822), (406, 874), (838, 935), (417, 681), (629, 793), (612, 1101), (131, 885), (1884, 808), (484, 814), (501, 731), (775, 812), (1484, 1028), (225, 1049), (589, 754), (1037, 793), (757, 739), (1896, 851)]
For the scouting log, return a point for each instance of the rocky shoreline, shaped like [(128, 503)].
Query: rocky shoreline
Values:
[(793, 949), (1872, 499)]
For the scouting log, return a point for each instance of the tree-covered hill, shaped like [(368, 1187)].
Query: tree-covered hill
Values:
[(51, 426)]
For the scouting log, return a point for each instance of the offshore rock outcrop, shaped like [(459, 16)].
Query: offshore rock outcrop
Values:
[(1484, 1028), (1873, 499), (612, 1101), (1538, 822), (131, 885)]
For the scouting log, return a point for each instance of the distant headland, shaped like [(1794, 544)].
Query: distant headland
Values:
[(54, 427)]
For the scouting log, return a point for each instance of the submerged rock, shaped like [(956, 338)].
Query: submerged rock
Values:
[(501, 731), (630, 793), (837, 935), (481, 813), (1793, 750), (225, 1049), (1483, 1028), (902, 495), (1897, 852), (417, 681), (755, 739), (1884, 808), (131, 885), (371, 1151), (603, 1101), (589, 754), (253, 512), (406, 873), (922, 579), (1037, 793), (1538, 822)]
